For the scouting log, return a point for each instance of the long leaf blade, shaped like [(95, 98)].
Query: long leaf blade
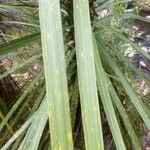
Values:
[(107, 102), (55, 74), (87, 78), (139, 105), (18, 43)]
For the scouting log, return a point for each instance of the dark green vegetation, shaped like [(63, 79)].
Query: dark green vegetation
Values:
[(63, 70)]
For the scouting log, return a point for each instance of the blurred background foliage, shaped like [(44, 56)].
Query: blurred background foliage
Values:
[(121, 29)]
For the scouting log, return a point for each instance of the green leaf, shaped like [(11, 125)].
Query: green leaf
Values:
[(74, 101), (18, 43), (35, 130), (139, 105), (9, 127), (55, 74), (86, 77), (119, 34), (37, 102), (128, 63), (18, 133), (103, 85), (20, 65), (125, 118), (19, 101), (40, 113)]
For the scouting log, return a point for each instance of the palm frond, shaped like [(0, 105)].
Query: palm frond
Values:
[(87, 77), (55, 74)]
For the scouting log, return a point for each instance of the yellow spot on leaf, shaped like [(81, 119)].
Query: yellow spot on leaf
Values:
[(92, 129), (51, 7), (49, 36), (59, 148), (70, 137), (94, 109), (82, 55), (57, 72), (77, 6)]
